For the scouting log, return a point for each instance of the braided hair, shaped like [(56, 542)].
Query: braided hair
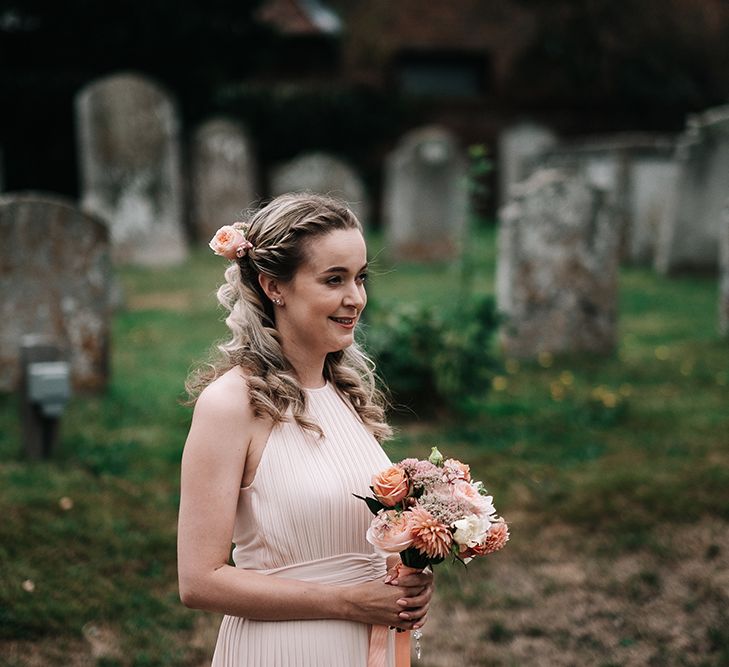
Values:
[(278, 233)]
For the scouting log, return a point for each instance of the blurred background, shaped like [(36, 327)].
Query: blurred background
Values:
[(544, 187), (352, 77)]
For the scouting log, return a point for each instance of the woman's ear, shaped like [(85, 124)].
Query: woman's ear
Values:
[(271, 287)]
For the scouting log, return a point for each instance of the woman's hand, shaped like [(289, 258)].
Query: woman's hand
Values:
[(419, 587), (397, 606)]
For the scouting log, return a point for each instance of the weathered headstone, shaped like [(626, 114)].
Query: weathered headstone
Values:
[(55, 277), (689, 232), (223, 175), (651, 178), (323, 174), (129, 151), (556, 280), (425, 196), (724, 272), (637, 170), (519, 150)]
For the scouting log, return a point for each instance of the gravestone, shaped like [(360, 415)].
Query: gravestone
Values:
[(55, 278), (556, 280), (724, 272), (689, 232), (129, 152), (323, 174), (425, 196), (223, 176), (637, 170), (650, 181), (519, 150)]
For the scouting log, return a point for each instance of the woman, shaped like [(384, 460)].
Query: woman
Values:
[(285, 429)]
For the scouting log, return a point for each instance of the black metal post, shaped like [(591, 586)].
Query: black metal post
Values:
[(39, 432)]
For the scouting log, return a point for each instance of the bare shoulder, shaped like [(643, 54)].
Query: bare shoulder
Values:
[(226, 396), (223, 422)]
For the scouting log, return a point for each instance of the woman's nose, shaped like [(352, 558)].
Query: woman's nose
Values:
[(354, 297)]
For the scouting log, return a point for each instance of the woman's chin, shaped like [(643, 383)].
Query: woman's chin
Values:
[(342, 344)]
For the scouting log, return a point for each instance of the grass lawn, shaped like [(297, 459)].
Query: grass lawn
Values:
[(613, 473)]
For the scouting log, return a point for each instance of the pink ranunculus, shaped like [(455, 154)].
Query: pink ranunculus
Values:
[(390, 531), (226, 242), (468, 494), (454, 469), (390, 486)]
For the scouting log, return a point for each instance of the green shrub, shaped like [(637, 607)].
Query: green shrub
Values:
[(434, 359)]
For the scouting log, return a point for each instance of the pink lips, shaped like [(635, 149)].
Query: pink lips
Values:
[(346, 322)]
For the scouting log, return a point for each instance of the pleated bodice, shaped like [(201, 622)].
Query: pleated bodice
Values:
[(298, 519), (300, 505)]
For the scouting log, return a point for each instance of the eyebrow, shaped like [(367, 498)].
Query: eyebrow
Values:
[(342, 269)]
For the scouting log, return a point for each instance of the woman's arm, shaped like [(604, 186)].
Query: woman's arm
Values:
[(222, 430)]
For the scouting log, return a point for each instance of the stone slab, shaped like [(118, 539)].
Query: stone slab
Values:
[(224, 176), (130, 167), (520, 148), (638, 170), (324, 174), (556, 281), (55, 280), (425, 196), (689, 232)]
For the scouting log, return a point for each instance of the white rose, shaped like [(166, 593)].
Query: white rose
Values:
[(471, 530)]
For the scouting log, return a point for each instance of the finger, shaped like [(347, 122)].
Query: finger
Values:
[(389, 577), (415, 600), (420, 623), (410, 625), (412, 591), (414, 580), (413, 615)]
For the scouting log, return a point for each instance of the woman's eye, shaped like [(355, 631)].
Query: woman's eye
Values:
[(334, 280), (362, 277)]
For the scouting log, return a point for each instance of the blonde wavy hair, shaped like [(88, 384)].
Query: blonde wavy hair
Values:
[(280, 232)]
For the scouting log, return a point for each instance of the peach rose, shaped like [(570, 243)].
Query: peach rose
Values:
[(227, 241), (390, 486), (390, 532)]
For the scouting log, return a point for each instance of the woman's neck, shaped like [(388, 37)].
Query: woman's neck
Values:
[(309, 369)]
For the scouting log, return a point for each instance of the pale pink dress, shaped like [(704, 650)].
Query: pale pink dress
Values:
[(299, 519)]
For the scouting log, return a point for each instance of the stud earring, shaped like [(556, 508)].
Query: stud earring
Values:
[(278, 302)]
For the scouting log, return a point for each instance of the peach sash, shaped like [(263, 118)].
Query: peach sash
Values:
[(378, 647), (378, 637), (346, 569)]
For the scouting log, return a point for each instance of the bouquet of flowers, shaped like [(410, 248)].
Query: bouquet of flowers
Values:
[(427, 510)]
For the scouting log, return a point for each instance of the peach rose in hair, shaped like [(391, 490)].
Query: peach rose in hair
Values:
[(226, 242), (390, 486), (390, 532)]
